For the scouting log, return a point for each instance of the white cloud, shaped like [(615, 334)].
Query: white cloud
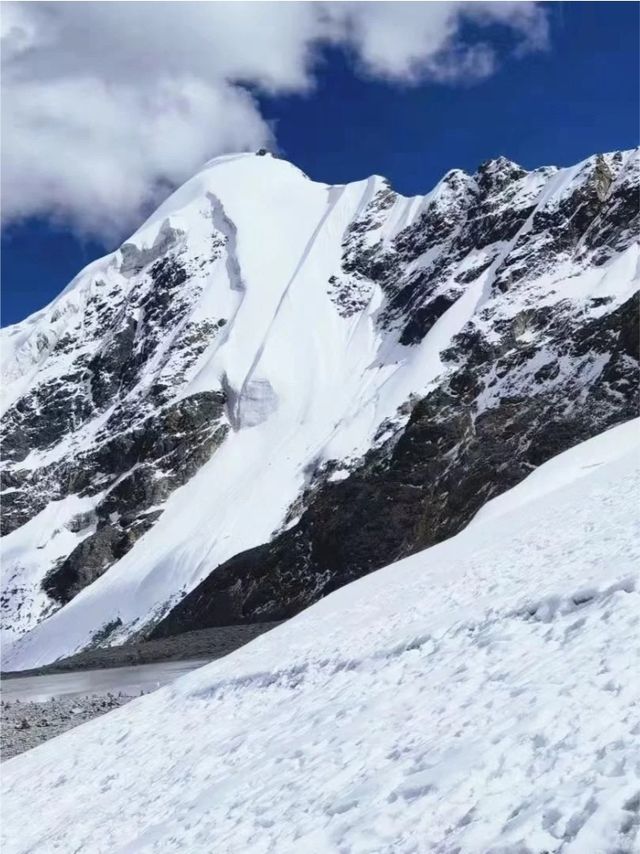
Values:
[(106, 103)]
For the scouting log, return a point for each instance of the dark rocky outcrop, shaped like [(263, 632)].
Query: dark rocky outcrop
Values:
[(182, 438), (148, 444), (452, 457)]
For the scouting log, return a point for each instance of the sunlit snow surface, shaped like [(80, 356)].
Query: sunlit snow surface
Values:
[(481, 696)]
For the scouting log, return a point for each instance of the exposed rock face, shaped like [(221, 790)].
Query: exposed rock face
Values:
[(181, 439), (501, 309), (105, 420), (466, 442)]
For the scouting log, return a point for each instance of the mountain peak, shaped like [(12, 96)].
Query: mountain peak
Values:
[(267, 391), (497, 172)]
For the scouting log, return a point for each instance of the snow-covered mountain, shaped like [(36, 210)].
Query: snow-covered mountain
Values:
[(276, 386), (480, 696)]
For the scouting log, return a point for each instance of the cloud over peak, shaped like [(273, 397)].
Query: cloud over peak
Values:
[(105, 104)]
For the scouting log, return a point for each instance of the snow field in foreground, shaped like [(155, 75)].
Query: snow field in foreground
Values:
[(480, 696)]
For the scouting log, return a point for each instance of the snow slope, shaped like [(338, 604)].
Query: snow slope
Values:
[(263, 313), (289, 361), (480, 696)]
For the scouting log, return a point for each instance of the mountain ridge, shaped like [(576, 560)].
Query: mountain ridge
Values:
[(297, 369)]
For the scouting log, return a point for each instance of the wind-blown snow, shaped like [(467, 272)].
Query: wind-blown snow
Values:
[(481, 696)]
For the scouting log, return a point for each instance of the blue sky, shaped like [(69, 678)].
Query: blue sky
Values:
[(556, 106)]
